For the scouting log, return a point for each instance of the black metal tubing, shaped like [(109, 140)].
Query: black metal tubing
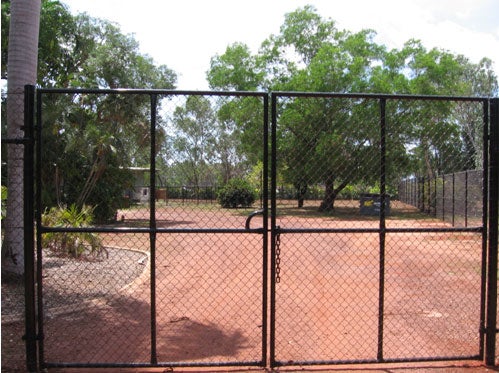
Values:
[(491, 326), (265, 251), (273, 227), (172, 364), (157, 92), (374, 361), (382, 227), (29, 231), (443, 197), (247, 225), (152, 226), (122, 230), (378, 96), (377, 230), (39, 251), (466, 199), (485, 196), (453, 198)]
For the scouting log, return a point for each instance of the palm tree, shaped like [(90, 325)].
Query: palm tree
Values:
[(21, 70)]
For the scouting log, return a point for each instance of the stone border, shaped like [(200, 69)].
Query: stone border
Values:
[(90, 303)]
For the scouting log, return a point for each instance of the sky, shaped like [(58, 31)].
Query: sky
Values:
[(186, 34)]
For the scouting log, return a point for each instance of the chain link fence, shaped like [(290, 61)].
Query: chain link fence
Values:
[(165, 275), (456, 198), (305, 252), (18, 262), (393, 285)]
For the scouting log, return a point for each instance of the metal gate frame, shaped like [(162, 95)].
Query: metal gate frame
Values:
[(488, 306), (34, 317), (152, 230)]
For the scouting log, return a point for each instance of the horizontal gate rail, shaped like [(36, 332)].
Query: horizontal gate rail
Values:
[(159, 92), (377, 230), (373, 361), (377, 96), (151, 230)]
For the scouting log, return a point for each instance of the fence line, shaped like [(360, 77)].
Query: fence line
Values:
[(455, 198)]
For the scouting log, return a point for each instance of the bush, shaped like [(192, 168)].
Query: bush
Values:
[(237, 192), (74, 244), (4, 201)]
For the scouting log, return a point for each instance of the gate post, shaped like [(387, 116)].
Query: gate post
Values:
[(29, 231), (491, 326)]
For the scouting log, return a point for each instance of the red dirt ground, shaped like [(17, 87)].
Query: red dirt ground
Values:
[(209, 293)]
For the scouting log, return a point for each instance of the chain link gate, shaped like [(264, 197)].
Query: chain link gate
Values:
[(170, 278), (360, 276), (337, 269)]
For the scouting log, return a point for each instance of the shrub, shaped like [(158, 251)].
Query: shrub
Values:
[(74, 244), (237, 192), (4, 201)]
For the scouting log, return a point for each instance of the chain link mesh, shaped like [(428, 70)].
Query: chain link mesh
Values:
[(164, 274), (375, 288), (195, 297), (12, 199)]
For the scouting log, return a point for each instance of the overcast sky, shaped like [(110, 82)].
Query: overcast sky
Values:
[(185, 34)]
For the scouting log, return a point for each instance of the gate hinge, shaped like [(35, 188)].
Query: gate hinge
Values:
[(485, 329)]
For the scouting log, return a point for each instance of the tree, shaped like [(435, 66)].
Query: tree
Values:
[(195, 124), (21, 70), (236, 69), (102, 135), (335, 142), (481, 82)]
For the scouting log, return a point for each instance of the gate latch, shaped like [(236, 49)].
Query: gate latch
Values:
[(251, 216)]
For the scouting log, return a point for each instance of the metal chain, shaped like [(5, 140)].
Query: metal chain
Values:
[(277, 257)]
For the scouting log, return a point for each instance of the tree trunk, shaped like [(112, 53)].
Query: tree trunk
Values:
[(21, 70), (331, 193), (301, 190), (327, 203)]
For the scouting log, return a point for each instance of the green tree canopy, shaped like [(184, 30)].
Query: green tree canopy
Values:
[(89, 140), (337, 136)]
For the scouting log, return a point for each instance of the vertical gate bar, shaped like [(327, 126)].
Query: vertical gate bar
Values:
[(382, 227), (273, 186), (29, 230), (493, 233), (466, 198), (413, 199), (39, 252), (152, 227), (423, 190), (453, 198), (485, 196), (265, 197), (429, 195), (443, 197), (435, 199)]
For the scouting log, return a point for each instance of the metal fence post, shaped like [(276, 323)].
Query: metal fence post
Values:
[(29, 231), (382, 228), (491, 326), (152, 226), (466, 198), (453, 209)]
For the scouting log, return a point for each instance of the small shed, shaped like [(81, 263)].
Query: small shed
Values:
[(141, 190)]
